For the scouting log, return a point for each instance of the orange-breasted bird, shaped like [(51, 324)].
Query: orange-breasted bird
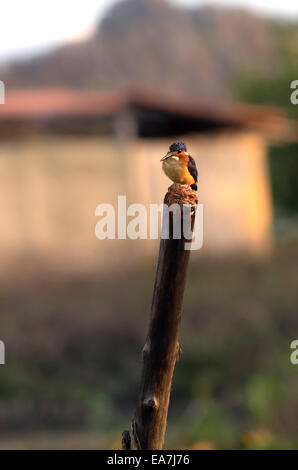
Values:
[(179, 166)]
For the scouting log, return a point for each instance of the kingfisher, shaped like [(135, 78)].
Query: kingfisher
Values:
[(179, 166)]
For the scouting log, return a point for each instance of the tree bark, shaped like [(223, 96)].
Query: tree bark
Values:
[(161, 349)]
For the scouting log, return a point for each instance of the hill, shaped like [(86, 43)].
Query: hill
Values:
[(152, 43)]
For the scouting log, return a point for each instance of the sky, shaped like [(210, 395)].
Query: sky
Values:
[(31, 26)]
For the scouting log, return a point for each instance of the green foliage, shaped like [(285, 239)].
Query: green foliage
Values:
[(263, 394), (210, 422), (275, 90), (74, 356), (284, 174)]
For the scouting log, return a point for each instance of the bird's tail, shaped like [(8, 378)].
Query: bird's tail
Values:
[(194, 186)]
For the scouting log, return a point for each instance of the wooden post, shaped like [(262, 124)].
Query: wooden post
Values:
[(161, 349)]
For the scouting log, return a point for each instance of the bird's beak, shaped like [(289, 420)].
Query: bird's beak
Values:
[(168, 155)]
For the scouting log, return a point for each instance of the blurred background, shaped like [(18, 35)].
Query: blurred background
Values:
[(95, 93)]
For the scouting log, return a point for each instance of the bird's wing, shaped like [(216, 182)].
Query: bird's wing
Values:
[(192, 168)]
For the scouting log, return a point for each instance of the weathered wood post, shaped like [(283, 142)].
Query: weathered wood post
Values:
[(161, 349)]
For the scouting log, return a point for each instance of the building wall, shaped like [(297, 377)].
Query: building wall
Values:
[(50, 187)]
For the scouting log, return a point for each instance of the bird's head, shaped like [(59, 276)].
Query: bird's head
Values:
[(176, 150)]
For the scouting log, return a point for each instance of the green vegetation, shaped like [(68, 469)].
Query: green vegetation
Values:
[(275, 90), (74, 358)]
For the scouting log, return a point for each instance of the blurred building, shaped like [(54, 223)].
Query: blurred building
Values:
[(63, 152)]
